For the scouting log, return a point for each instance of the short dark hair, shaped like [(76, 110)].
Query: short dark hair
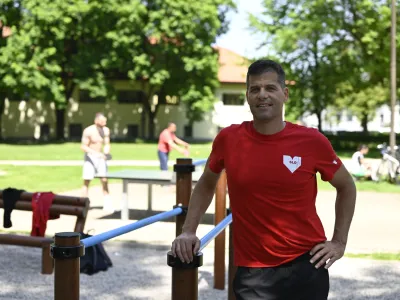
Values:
[(362, 146), (99, 115), (263, 66)]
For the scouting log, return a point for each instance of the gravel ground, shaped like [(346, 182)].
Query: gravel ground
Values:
[(140, 272)]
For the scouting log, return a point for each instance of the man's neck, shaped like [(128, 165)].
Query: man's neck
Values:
[(269, 127)]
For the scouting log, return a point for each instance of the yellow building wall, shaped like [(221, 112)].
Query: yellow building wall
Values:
[(23, 119)]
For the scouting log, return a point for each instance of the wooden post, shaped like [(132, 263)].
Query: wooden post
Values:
[(66, 251), (184, 276), (47, 261), (232, 268), (219, 244)]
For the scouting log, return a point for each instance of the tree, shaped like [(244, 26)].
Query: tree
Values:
[(300, 34), (66, 41), (175, 57), (17, 77), (339, 49), (365, 56)]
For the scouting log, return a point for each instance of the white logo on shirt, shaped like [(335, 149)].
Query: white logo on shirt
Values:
[(335, 162), (292, 163)]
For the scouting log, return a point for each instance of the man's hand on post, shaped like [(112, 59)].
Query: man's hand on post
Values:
[(329, 250), (185, 246)]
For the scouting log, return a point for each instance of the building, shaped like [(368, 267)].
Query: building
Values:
[(346, 121), (26, 119)]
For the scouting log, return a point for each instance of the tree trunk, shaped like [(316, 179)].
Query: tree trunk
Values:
[(60, 123), (2, 105), (152, 125), (143, 123), (319, 117), (364, 123)]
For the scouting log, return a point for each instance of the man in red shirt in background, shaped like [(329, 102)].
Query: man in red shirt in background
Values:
[(166, 142), (280, 247)]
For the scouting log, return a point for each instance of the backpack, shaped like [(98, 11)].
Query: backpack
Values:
[(95, 258)]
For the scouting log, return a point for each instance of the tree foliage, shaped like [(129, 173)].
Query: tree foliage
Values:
[(338, 51), (165, 45)]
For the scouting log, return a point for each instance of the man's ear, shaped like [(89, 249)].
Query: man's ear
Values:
[(286, 92)]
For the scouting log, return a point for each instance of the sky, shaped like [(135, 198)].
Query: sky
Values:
[(239, 38)]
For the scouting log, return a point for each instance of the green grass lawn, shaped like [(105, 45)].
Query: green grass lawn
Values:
[(55, 179), (120, 151), (375, 256), (61, 179), (72, 151)]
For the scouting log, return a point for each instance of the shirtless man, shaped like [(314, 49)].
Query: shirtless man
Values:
[(96, 145)]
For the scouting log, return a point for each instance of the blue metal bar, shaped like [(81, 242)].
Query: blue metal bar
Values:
[(215, 231), (99, 238), (200, 162)]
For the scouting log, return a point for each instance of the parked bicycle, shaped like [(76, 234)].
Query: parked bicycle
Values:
[(389, 166)]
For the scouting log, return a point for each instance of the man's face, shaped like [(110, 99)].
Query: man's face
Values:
[(101, 121), (172, 127), (265, 96), (364, 151)]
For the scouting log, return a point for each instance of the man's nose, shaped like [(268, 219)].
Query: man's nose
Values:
[(263, 94)]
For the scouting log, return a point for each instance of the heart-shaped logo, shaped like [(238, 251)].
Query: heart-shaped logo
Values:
[(292, 163)]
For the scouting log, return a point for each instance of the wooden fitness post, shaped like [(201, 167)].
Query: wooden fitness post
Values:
[(66, 251), (231, 269), (219, 244), (184, 275)]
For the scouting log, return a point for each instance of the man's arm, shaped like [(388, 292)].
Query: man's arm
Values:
[(107, 144), (344, 211), (176, 147), (199, 202), (345, 204), (181, 142)]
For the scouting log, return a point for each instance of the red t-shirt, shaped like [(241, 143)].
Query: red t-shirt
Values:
[(165, 137), (272, 190)]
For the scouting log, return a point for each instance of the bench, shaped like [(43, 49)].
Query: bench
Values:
[(62, 205)]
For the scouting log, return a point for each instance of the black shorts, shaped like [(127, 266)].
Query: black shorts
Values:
[(295, 280)]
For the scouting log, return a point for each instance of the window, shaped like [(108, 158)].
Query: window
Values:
[(133, 131), (17, 97), (382, 117), (233, 99), (75, 131), (84, 96), (188, 131), (338, 116), (349, 116), (130, 97), (44, 132)]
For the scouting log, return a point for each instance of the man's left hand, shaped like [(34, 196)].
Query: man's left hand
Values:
[(329, 250)]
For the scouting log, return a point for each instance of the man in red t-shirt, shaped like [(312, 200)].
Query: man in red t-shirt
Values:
[(280, 247), (166, 142)]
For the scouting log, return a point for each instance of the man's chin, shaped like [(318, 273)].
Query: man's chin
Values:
[(263, 117)]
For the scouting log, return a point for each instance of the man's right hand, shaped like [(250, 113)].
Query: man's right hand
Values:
[(184, 246)]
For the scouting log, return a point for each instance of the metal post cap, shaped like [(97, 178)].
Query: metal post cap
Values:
[(175, 262)]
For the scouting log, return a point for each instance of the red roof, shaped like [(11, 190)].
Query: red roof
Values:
[(232, 66)]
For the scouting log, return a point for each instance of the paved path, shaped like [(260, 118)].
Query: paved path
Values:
[(375, 225), (139, 257), (139, 163), (140, 272)]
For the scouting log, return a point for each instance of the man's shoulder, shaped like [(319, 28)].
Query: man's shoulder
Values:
[(232, 129), (306, 131), (89, 129), (106, 130)]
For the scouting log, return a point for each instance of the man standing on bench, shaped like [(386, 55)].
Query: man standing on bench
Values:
[(96, 145)]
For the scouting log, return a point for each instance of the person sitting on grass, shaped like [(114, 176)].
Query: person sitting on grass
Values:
[(360, 167)]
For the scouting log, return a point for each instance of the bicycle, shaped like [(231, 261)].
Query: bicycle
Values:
[(389, 166)]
